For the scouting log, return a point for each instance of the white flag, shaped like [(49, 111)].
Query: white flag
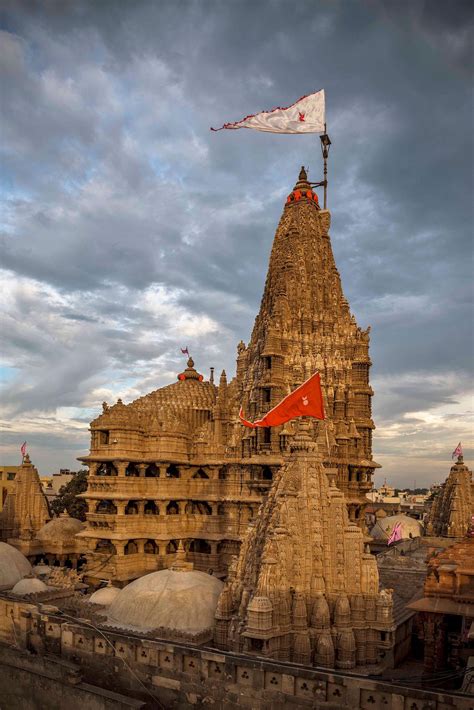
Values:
[(306, 115)]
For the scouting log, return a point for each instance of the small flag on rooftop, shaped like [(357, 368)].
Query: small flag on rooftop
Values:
[(23, 449), (396, 534), (457, 451), (307, 115), (185, 351)]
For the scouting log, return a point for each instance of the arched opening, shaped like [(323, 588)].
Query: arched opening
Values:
[(106, 469), (172, 471), (131, 508), (132, 470), (200, 474), (200, 546), (267, 435), (131, 548), (105, 546), (151, 508), (151, 548), (68, 563), (81, 561), (106, 507), (198, 507), (267, 474), (152, 471), (171, 547), (172, 508)]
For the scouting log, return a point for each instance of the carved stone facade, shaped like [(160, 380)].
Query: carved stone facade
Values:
[(178, 465), (26, 509), (452, 512), (303, 589)]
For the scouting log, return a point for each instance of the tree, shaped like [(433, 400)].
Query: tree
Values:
[(66, 498)]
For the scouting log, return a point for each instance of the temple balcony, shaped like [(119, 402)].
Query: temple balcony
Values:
[(166, 488)]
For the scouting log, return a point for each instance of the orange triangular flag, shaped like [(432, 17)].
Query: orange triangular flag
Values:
[(305, 401)]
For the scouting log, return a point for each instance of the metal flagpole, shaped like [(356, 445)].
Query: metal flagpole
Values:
[(325, 143)]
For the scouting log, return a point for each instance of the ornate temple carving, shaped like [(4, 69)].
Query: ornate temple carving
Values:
[(452, 512), (26, 508), (176, 464), (303, 588)]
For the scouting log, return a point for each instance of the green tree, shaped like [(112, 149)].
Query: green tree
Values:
[(66, 499)]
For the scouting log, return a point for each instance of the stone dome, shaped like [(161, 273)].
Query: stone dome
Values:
[(104, 596), (29, 585), (178, 601), (13, 566), (42, 570), (62, 529), (384, 527)]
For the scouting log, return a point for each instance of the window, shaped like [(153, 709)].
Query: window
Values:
[(266, 395), (267, 362), (10, 476), (103, 438), (267, 435), (172, 471)]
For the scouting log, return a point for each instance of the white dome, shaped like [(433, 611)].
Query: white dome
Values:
[(42, 570), (13, 566), (104, 596), (29, 585), (384, 526), (179, 601), (62, 529)]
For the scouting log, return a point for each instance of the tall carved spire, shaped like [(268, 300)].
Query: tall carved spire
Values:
[(453, 508), (26, 508), (304, 555), (304, 324)]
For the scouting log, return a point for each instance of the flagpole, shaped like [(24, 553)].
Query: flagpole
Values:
[(325, 143)]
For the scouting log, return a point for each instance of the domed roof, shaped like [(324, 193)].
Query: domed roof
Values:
[(384, 527), (42, 569), (62, 529), (104, 596), (29, 585), (169, 404), (13, 566), (177, 601)]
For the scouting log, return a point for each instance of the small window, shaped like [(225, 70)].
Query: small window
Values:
[(10, 476), (266, 395), (103, 437), (267, 435), (267, 361)]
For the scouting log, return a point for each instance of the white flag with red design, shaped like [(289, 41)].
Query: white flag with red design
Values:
[(307, 115)]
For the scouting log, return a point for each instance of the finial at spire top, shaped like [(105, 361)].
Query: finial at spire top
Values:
[(302, 175)]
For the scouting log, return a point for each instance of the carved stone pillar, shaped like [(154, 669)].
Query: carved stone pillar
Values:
[(121, 467), (141, 507), (120, 505), (142, 467), (141, 546)]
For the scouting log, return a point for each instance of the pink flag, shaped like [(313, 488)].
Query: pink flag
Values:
[(185, 351), (23, 449), (307, 115), (396, 534), (457, 451)]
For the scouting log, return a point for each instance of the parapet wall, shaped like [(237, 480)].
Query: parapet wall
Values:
[(180, 675)]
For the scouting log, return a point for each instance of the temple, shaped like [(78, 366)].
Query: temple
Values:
[(304, 589), (452, 512), (179, 461)]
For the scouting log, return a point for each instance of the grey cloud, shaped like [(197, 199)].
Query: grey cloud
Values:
[(115, 183)]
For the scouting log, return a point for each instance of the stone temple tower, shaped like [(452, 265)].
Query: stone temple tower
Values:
[(304, 589), (304, 324), (452, 512), (26, 508)]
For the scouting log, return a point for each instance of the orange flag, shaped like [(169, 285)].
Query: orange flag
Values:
[(305, 401)]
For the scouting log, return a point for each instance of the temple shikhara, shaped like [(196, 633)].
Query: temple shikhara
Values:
[(179, 461), (230, 565)]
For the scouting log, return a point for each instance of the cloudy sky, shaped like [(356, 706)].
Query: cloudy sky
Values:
[(129, 229)]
